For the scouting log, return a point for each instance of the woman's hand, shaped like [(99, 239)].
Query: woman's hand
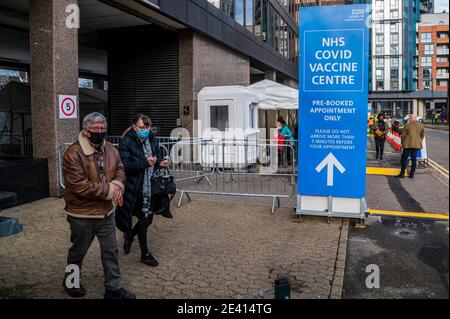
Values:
[(164, 163), (152, 160)]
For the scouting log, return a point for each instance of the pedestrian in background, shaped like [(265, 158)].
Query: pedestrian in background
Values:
[(437, 117), (285, 137), (94, 179), (141, 156), (380, 129), (412, 137)]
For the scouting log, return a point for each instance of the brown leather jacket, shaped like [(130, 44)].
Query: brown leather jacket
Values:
[(85, 195)]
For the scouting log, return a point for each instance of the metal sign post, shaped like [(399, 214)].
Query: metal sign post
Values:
[(334, 58)]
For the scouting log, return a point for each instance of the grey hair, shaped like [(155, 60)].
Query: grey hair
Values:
[(94, 118)]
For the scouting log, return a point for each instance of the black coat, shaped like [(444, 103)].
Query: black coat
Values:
[(135, 163)]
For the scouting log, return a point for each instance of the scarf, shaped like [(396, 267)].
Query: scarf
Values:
[(147, 186)]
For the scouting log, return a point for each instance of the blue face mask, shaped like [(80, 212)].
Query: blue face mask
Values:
[(143, 134)]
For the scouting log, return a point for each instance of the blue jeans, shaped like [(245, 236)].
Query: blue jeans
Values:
[(409, 152)]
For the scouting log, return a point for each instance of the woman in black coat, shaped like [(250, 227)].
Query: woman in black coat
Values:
[(140, 154), (380, 130)]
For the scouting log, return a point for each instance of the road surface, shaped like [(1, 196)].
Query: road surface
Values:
[(438, 148)]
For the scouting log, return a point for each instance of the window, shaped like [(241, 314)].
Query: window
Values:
[(394, 38), (380, 85), (442, 83), (239, 11), (394, 14), (429, 49), (426, 61), (394, 4), (380, 74), (379, 50), (258, 18), (394, 74), (379, 5), (425, 37), (394, 27), (442, 35), (249, 15), (442, 72), (228, 7), (394, 49), (219, 117), (426, 73), (271, 26), (379, 28), (264, 20), (394, 85), (379, 39), (380, 62), (215, 3), (442, 59), (442, 49), (380, 15), (394, 62), (85, 83)]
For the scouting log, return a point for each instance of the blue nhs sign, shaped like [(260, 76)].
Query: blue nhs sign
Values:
[(333, 99)]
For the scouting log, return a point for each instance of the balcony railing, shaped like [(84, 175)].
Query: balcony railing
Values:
[(442, 52), (442, 76)]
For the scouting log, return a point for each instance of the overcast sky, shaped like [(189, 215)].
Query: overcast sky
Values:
[(441, 5)]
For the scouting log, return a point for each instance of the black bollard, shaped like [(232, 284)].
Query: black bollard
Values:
[(282, 289)]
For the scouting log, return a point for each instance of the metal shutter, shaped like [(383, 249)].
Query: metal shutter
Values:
[(143, 73)]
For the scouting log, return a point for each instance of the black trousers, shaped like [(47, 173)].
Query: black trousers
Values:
[(409, 152), (141, 227), (379, 146)]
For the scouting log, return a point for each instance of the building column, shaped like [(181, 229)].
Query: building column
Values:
[(271, 75), (415, 107), (204, 62), (54, 71), (422, 109), (291, 83), (187, 98)]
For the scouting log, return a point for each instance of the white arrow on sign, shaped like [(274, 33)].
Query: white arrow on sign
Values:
[(330, 161)]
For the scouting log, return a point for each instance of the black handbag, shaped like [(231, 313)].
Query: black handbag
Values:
[(163, 192), (163, 184)]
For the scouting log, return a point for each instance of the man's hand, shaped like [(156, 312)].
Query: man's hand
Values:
[(117, 195), (152, 160)]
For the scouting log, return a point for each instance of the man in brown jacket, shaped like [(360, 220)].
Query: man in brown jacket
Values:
[(412, 137), (94, 183)]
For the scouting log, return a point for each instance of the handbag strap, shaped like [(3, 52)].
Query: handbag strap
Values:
[(157, 172)]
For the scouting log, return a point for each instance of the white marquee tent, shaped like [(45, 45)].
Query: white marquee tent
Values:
[(274, 96)]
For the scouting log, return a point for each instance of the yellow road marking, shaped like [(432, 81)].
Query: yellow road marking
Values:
[(382, 171), (407, 214), (438, 167)]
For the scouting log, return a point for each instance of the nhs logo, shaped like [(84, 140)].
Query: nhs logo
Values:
[(357, 11)]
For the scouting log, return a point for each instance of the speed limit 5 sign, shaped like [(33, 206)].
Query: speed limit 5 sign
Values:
[(68, 107)]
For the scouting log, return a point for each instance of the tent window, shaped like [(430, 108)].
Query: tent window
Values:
[(219, 117)]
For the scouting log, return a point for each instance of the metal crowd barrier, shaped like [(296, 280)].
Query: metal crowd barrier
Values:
[(246, 168), (234, 168)]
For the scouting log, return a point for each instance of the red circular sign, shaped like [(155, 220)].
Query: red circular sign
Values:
[(71, 110)]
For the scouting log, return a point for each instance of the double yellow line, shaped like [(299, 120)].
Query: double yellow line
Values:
[(438, 168)]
